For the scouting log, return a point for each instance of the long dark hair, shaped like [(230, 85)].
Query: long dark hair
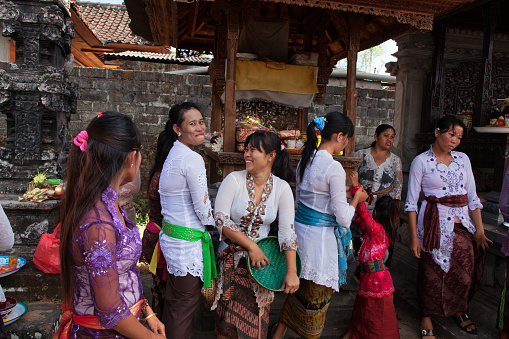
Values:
[(336, 122), (167, 137), (386, 213), (111, 137), (447, 122), (380, 129), (267, 142)]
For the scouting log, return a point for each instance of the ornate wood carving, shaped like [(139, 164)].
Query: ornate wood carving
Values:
[(163, 20), (270, 113), (438, 80), (482, 106), (354, 23)]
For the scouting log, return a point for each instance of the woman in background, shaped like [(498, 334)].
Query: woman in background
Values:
[(448, 234), (186, 211), (99, 245)]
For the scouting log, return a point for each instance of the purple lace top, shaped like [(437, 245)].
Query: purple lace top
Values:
[(106, 279)]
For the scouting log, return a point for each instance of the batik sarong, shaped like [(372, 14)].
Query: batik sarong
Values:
[(304, 312), (503, 311), (447, 294)]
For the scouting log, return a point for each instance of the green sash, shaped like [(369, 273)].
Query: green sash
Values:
[(191, 234)]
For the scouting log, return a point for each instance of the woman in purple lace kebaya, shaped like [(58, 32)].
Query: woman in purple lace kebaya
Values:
[(100, 246)]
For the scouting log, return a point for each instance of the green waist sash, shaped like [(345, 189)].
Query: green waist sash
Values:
[(191, 234)]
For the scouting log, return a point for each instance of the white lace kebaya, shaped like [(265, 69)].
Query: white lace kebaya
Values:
[(323, 189), (235, 208), (184, 202), (440, 180)]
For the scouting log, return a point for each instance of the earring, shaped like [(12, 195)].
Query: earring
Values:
[(132, 165), (179, 134)]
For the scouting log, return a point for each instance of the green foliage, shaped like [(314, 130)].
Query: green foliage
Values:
[(39, 178), (141, 212)]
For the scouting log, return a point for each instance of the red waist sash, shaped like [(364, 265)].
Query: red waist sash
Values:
[(431, 222), (88, 321)]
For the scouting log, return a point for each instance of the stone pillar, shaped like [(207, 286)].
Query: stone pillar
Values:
[(35, 94), (411, 71)]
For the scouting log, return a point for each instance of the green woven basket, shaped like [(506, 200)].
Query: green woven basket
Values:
[(271, 276)]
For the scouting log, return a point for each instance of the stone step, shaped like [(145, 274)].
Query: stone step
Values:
[(40, 321), (482, 309), (30, 284)]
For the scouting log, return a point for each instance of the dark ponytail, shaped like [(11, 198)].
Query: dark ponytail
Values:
[(387, 212), (168, 136), (336, 123), (379, 130), (267, 142)]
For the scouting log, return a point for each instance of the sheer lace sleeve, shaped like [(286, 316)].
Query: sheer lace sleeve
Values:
[(286, 208), (414, 185), (398, 182), (365, 221), (473, 200), (196, 177), (100, 257), (223, 204), (337, 183), (6, 233)]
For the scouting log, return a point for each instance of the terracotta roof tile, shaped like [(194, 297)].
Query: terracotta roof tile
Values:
[(108, 22)]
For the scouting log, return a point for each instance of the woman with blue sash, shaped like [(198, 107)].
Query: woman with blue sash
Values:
[(322, 225)]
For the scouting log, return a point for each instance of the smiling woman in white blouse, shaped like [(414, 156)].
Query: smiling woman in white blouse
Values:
[(448, 235), (246, 204), (186, 210)]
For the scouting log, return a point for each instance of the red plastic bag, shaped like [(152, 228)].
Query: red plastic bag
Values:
[(46, 257)]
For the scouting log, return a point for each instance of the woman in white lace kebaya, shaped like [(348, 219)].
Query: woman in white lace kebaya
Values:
[(185, 207), (322, 224), (246, 204), (380, 170), (448, 229)]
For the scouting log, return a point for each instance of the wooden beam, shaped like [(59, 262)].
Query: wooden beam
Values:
[(230, 108), (482, 108), (193, 18), (354, 24)]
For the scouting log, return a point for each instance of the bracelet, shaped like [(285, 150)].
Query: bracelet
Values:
[(144, 305), (149, 316)]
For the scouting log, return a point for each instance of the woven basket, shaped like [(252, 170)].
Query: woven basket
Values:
[(272, 276), (209, 294)]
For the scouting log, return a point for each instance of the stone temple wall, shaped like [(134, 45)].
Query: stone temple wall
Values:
[(147, 96)]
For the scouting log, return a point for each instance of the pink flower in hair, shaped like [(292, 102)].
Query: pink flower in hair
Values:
[(81, 140)]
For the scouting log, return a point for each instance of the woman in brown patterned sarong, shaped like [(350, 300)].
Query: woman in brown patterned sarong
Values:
[(450, 265), (246, 204)]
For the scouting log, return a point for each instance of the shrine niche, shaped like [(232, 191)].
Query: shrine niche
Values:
[(35, 95)]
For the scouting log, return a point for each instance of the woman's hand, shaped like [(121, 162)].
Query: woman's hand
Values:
[(481, 240), (415, 247), (156, 326), (361, 194), (354, 176), (291, 282), (258, 258)]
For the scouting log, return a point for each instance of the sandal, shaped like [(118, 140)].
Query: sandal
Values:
[(427, 333), (463, 319)]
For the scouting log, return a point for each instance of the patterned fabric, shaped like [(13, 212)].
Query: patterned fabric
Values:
[(446, 294), (304, 312), (503, 310), (236, 209), (504, 209), (154, 200), (105, 254), (238, 314), (440, 180), (376, 242), (378, 177), (184, 201), (431, 236), (374, 318)]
